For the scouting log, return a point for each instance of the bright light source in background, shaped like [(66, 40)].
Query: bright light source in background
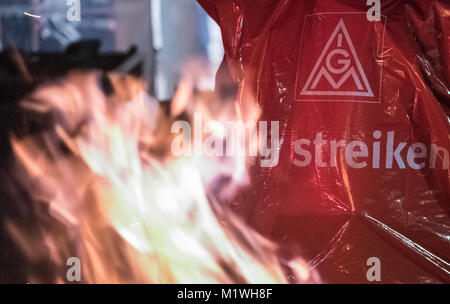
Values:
[(182, 31)]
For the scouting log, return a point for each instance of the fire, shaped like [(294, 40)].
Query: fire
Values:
[(123, 204)]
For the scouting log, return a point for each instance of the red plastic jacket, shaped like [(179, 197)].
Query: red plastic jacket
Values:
[(362, 103)]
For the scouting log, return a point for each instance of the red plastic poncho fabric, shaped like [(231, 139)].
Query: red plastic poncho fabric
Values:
[(362, 107)]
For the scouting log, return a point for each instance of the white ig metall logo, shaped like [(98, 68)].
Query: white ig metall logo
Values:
[(74, 11), (73, 274), (373, 274), (339, 48)]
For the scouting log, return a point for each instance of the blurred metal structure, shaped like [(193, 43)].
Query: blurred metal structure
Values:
[(167, 34), (42, 26)]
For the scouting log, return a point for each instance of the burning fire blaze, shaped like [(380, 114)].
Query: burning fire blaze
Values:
[(118, 199)]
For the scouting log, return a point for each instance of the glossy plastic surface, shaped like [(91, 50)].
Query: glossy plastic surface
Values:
[(387, 194)]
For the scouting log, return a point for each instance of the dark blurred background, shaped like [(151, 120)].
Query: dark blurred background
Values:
[(166, 33)]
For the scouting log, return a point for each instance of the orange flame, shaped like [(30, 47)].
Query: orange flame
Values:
[(129, 215)]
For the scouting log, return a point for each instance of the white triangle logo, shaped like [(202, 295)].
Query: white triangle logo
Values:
[(327, 78)]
